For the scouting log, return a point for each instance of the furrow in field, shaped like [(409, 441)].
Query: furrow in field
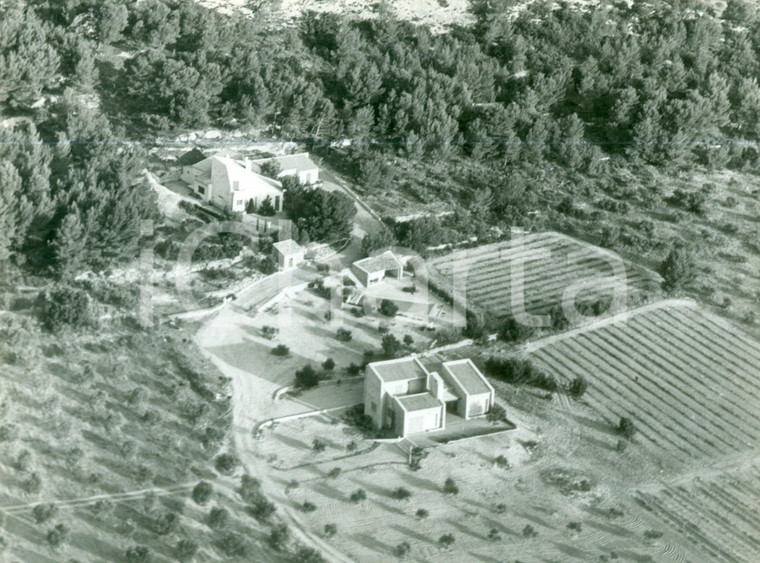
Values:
[(636, 392), (649, 428), (657, 360), (735, 506)]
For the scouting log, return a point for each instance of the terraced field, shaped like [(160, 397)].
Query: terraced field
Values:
[(689, 380), (551, 264)]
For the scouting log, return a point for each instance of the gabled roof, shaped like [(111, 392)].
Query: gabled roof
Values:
[(385, 261), (287, 247), (418, 402), (234, 171), (400, 369), (191, 157), (467, 376)]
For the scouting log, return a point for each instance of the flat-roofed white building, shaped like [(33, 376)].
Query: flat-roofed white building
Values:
[(288, 254)]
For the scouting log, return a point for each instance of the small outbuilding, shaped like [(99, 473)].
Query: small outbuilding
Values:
[(373, 270), (288, 254), (474, 395)]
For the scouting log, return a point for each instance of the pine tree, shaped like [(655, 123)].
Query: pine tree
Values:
[(677, 269), (10, 184), (70, 245)]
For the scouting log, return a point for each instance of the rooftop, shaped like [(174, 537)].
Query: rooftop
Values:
[(418, 402), (468, 376), (288, 246), (385, 261), (288, 162), (399, 370), (191, 157)]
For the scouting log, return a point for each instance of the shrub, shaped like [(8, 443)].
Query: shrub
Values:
[(677, 269), (501, 461), (218, 518), (450, 487), (334, 472), (318, 445), (513, 331), (250, 488), (627, 428), (202, 493), (494, 535), (57, 536), (233, 545), (416, 456), (308, 506), (358, 495), (408, 340), (388, 308), (280, 350), (269, 332), (33, 484), (402, 549), (306, 378), (64, 306), (447, 540), (652, 534), (328, 364), (578, 387), (262, 509), (330, 530), (422, 513), (44, 512), (575, 526), (391, 345), (529, 532), (225, 464), (518, 371), (496, 414), (279, 536), (137, 554), (166, 524), (267, 265), (307, 555), (185, 550), (344, 335), (500, 508), (354, 369), (351, 446), (622, 445), (401, 493)]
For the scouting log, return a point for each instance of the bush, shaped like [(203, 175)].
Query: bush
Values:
[(500, 508), (391, 345), (279, 536), (33, 484), (57, 536), (358, 495), (344, 335), (447, 540), (280, 350), (307, 555), (408, 340), (450, 487), (402, 549), (250, 488), (166, 524), (269, 332), (306, 378), (44, 512), (497, 413), (354, 369), (529, 532), (513, 331), (518, 371), (330, 530), (225, 464), (677, 269), (318, 445), (233, 545), (328, 364), (575, 526), (186, 549), (351, 446), (494, 535), (137, 554), (202, 493), (267, 265), (626, 428), (262, 509), (308, 506), (502, 462), (388, 308), (64, 306), (401, 493), (218, 518), (334, 472), (578, 387), (415, 458), (422, 513)]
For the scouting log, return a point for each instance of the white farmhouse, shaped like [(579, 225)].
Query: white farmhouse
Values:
[(231, 184), (299, 165)]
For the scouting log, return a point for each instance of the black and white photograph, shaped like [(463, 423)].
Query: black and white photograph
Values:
[(365, 281)]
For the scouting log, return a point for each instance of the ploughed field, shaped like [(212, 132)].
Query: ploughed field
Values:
[(551, 263), (690, 381)]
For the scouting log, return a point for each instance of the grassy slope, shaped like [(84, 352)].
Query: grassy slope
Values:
[(105, 412)]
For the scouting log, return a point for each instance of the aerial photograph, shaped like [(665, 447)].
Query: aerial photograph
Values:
[(366, 281)]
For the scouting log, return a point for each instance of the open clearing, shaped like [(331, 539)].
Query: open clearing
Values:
[(551, 263)]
